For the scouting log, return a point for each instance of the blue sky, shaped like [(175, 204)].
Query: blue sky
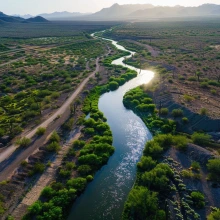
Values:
[(35, 7)]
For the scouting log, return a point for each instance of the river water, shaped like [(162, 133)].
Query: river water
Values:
[(105, 196)]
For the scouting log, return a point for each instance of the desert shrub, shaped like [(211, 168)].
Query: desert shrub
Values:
[(188, 98), (213, 91), (68, 125), (40, 131), (53, 147), (23, 142), (164, 140), (192, 78), (185, 120), (180, 142), (195, 165), (187, 173), (39, 167), (203, 111), (177, 113), (204, 85), (198, 199), (55, 137), (214, 169), (164, 111), (64, 173), (201, 138)]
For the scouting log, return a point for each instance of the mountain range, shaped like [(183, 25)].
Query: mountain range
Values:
[(14, 19), (125, 12), (147, 11)]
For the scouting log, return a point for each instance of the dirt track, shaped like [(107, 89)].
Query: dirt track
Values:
[(11, 158)]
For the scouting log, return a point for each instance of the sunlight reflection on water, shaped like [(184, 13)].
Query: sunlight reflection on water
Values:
[(105, 195)]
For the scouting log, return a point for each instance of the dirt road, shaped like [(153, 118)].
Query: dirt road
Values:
[(9, 150)]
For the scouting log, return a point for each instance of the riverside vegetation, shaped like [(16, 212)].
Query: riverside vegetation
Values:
[(84, 158), (157, 180)]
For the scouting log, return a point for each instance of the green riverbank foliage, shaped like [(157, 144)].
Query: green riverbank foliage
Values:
[(156, 179), (92, 154)]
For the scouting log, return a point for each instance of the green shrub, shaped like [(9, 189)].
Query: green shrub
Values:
[(198, 199), (84, 170), (214, 215), (35, 208), (214, 169), (40, 131), (188, 98), (164, 111), (158, 177), (78, 183), (48, 192), (177, 113), (53, 147), (113, 85), (146, 163), (203, 111), (55, 137), (180, 142), (70, 165), (201, 138), (39, 167), (153, 149), (204, 85), (164, 140), (213, 91), (195, 165), (23, 142), (78, 144), (89, 178), (192, 78), (185, 120)]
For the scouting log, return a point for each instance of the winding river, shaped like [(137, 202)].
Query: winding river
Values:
[(105, 196)]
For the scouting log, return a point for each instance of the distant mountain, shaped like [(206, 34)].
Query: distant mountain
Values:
[(65, 15), (7, 18), (162, 12), (117, 11), (13, 19), (23, 16), (37, 19), (147, 11)]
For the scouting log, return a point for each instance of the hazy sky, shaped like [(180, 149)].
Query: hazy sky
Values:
[(40, 6)]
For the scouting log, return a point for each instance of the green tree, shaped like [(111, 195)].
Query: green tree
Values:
[(142, 204)]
